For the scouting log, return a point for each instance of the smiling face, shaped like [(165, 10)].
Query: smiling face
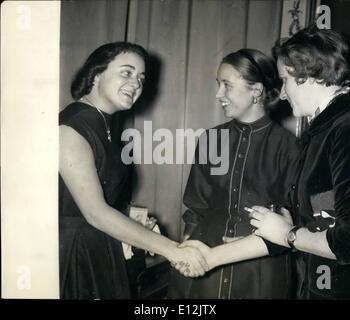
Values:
[(236, 96), (121, 84)]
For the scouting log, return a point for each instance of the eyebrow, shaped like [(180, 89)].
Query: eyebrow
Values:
[(130, 66), (227, 82), (223, 80)]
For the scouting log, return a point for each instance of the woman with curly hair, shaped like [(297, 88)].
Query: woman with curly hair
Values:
[(315, 68)]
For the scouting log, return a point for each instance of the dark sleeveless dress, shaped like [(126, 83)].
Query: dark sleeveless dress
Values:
[(92, 264)]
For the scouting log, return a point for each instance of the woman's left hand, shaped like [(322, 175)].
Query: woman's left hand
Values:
[(270, 225)]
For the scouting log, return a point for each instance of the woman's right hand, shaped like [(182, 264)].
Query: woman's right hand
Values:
[(206, 251), (189, 261)]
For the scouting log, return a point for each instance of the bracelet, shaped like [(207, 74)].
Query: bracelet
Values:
[(292, 236)]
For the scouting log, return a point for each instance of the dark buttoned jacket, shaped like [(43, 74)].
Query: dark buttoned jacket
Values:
[(262, 159)]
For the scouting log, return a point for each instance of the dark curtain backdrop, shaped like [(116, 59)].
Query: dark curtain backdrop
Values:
[(187, 39)]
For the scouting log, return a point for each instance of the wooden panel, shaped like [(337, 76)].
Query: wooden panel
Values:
[(217, 28), (85, 25), (340, 9), (264, 23), (159, 186)]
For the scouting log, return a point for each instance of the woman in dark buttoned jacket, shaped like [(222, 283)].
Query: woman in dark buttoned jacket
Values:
[(315, 68), (261, 160)]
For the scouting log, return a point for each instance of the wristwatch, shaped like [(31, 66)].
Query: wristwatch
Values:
[(292, 236)]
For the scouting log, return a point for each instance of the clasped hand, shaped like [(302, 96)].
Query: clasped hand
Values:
[(194, 258)]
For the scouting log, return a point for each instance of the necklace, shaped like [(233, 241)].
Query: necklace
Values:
[(108, 131)]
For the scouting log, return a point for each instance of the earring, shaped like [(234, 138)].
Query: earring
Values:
[(255, 100)]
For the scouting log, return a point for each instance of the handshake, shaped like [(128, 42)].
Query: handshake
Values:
[(192, 258)]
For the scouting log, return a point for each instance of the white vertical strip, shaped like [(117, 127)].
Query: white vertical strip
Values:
[(29, 148)]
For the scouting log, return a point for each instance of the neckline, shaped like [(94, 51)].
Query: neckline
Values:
[(255, 125), (106, 120), (318, 111), (334, 109), (108, 116)]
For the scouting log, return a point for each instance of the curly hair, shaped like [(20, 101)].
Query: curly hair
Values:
[(98, 62), (254, 66), (321, 54)]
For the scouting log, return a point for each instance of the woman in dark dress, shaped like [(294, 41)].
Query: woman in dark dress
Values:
[(314, 65), (93, 180), (262, 160)]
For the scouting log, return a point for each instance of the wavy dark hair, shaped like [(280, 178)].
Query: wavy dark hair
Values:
[(98, 62), (321, 54), (254, 66)]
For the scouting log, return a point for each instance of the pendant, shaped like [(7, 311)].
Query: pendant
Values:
[(109, 137)]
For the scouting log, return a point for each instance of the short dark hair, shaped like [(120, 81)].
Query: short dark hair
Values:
[(98, 62), (321, 54), (254, 66)]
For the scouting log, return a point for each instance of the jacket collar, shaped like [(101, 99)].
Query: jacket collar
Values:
[(253, 126), (336, 108)]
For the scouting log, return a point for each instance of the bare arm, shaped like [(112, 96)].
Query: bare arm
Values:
[(245, 248), (77, 169)]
